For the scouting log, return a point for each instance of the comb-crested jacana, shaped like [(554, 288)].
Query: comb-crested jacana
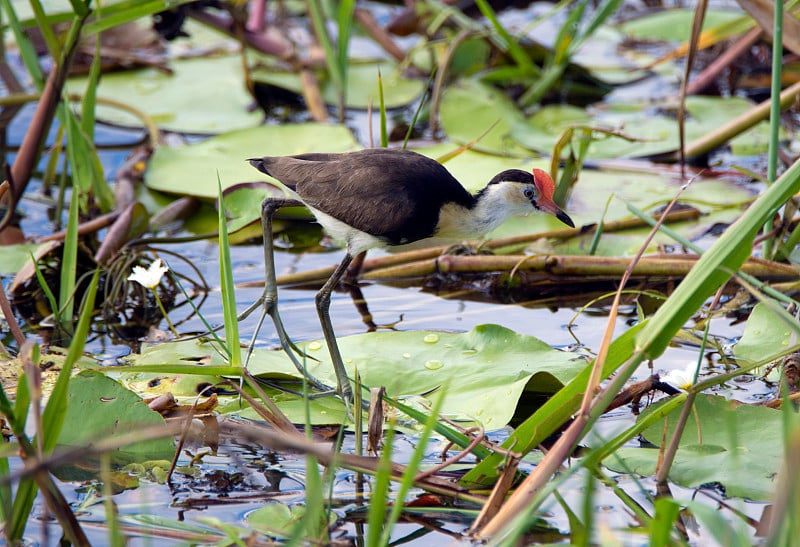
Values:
[(382, 197)]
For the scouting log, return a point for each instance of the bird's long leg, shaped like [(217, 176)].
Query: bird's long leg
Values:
[(269, 298), (350, 282), (357, 296), (323, 300), (355, 267)]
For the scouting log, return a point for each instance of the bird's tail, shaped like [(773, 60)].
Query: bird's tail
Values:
[(259, 164)]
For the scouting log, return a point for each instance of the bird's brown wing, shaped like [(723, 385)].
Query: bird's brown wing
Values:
[(392, 194)]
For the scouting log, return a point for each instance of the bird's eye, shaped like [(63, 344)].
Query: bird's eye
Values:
[(529, 192)]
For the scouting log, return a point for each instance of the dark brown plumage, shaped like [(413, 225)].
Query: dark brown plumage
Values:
[(378, 197), (405, 205)]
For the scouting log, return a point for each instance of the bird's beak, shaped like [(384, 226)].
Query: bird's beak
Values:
[(549, 206)]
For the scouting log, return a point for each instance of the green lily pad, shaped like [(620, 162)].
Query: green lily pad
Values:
[(765, 334), (243, 205), (548, 124), (482, 372), (675, 24), (612, 244), (362, 84), (653, 126), (608, 55), (99, 408), (737, 445), (14, 257), (279, 520), (192, 169), (59, 9), (472, 110), (187, 100)]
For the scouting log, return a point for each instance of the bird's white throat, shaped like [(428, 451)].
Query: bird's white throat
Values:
[(494, 206)]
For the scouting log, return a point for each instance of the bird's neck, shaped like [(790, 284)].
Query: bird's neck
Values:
[(488, 211)]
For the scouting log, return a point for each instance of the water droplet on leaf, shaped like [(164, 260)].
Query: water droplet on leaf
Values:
[(433, 364)]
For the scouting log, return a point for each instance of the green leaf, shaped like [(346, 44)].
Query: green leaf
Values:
[(277, 519), (666, 512), (57, 406), (674, 24), (99, 407), (27, 50), (227, 287), (609, 56), (651, 124), (764, 334), (485, 370), (718, 526), (510, 44), (214, 104), (14, 257), (69, 261), (243, 204), (553, 413), (469, 109), (740, 446)]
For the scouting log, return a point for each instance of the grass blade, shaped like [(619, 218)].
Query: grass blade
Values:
[(48, 35), (517, 53), (331, 56), (412, 469), (69, 266), (55, 411), (380, 493), (28, 53), (382, 104), (227, 287)]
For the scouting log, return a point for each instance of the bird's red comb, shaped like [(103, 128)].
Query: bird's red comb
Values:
[(544, 183)]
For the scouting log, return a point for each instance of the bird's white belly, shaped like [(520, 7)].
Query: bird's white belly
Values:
[(356, 240)]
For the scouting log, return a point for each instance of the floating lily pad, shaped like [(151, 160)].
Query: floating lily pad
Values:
[(279, 520), (610, 244), (607, 56), (60, 9), (186, 100), (99, 408), (14, 257), (243, 207), (192, 169), (674, 24), (765, 334), (362, 85), (737, 445), (653, 126), (482, 372), (471, 110)]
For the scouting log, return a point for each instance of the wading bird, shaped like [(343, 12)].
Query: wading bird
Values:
[(382, 197)]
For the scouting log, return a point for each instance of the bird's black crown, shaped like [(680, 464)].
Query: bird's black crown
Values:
[(512, 175)]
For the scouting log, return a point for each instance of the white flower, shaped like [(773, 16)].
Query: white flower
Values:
[(150, 277), (681, 378)]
